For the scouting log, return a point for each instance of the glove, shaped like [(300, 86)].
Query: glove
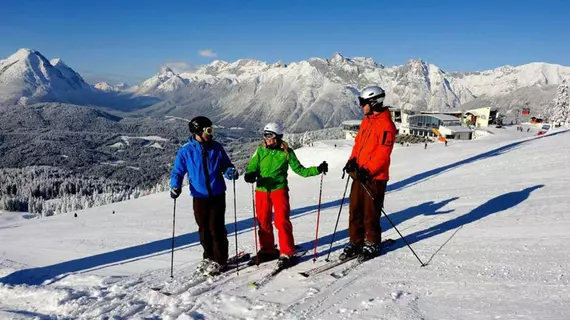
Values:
[(323, 167), (363, 175), (175, 192), (231, 174), (351, 166), (251, 177)]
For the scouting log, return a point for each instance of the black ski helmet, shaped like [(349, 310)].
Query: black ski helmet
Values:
[(198, 124)]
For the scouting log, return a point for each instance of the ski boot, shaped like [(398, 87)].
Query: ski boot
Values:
[(264, 255), (350, 251), (201, 268), (286, 261), (214, 268), (368, 252)]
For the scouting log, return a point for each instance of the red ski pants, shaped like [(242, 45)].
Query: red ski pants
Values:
[(279, 200)]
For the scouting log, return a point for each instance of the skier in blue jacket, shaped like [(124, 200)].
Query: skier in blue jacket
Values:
[(205, 161)]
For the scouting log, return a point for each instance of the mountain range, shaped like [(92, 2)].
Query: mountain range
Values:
[(304, 95), (27, 77)]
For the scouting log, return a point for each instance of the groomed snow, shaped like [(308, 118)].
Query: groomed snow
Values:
[(489, 217)]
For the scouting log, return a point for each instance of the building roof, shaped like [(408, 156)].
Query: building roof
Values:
[(446, 117), (351, 122), (459, 112), (456, 129), (442, 117)]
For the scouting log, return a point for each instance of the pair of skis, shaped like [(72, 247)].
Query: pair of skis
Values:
[(245, 259), (168, 289), (268, 277), (328, 266), (337, 262)]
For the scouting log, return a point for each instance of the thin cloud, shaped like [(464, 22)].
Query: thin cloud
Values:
[(207, 53), (180, 67)]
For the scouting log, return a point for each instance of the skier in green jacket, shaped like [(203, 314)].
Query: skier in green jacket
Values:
[(268, 167)]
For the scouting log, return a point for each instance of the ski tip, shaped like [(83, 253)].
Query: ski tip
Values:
[(252, 285), (304, 274)]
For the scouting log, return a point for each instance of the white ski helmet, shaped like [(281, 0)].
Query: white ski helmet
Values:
[(274, 127), (373, 95)]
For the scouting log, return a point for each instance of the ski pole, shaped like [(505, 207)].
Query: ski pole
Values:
[(254, 224), (235, 226), (392, 223), (337, 218), (172, 251), (318, 218)]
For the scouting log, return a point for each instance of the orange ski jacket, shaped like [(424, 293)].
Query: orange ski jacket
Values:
[(374, 143)]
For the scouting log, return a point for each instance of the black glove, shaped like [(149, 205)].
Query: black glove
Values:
[(323, 167), (351, 166), (251, 177), (175, 192), (363, 175)]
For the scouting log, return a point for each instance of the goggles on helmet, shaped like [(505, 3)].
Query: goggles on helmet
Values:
[(269, 135), (209, 131), (363, 101)]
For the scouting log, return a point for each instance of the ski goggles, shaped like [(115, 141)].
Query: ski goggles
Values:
[(209, 131), (363, 102), (269, 135)]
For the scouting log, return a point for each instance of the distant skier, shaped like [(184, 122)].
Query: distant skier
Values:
[(75, 215), (268, 167), (425, 145), (369, 165), (205, 161), (446, 143)]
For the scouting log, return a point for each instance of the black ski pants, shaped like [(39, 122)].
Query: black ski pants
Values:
[(210, 217)]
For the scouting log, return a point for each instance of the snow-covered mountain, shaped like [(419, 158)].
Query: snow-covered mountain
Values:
[(319, 93), (104, 86), (416, 84), (507, 79), (163, 82), (28, 77), (306, 95)]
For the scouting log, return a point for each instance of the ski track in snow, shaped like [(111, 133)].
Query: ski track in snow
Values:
[(493, 231)]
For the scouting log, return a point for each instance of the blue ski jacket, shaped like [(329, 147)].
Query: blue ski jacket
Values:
[(205, 165)]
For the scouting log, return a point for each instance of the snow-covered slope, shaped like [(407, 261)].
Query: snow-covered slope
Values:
[(489, 217)]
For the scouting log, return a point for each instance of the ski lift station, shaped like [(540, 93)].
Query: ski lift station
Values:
[(458, 125)]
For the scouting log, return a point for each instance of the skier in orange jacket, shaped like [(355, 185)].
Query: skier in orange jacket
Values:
[(369, 165)]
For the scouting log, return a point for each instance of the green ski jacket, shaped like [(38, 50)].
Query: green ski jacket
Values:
[(272, 165)]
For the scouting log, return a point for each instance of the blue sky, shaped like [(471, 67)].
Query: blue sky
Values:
[(130, 40)]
